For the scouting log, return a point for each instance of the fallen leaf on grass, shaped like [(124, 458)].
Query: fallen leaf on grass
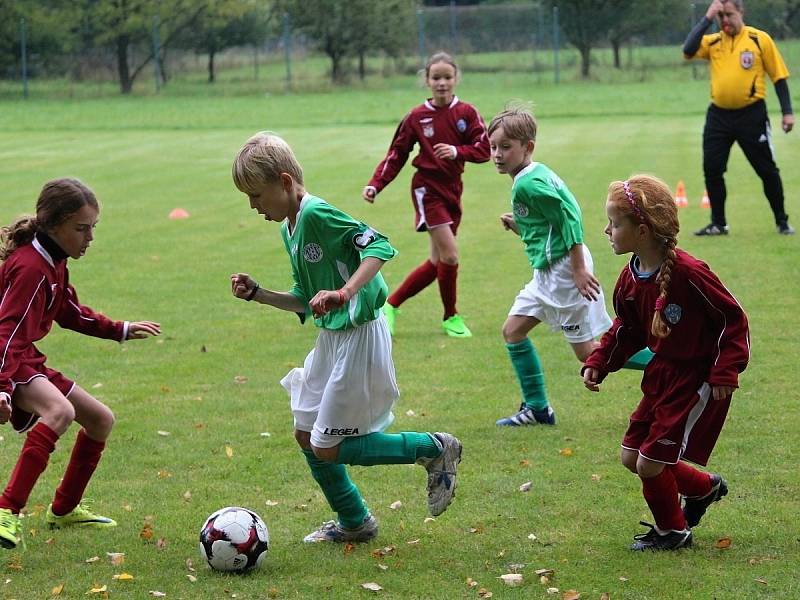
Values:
[(15, 564), (116, 558), (187, 496), (413, 542), (761, 581), (127, 507), (161, 543), (93, 559), (410, 413), (571, 595), (190, 564), (378, 553), (723, 543), (429, 520), (228, 451), (471, 582), (526, 487), (265, 434), (484, 593), (371, 586), (595, 477), (271, 503), (552, 590), (383, 567), (565, 452), (97, 386), (532, 537), (56, 591), (524, 463), (50, 541), (544, 572), (123, 577), (349, 547), (163, 433), (395, 505), (240, 379), (623, 579), (191, 577), (163, 474), (605, 596), (157, 594), (511, 579), (147, 532), (103, 589)]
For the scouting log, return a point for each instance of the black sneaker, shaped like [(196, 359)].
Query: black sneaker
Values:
[(712, 229), (652, 540), (528, 416), (695, 508), (785, 229)]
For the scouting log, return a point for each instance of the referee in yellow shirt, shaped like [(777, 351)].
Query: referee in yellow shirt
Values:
[(739, 56)]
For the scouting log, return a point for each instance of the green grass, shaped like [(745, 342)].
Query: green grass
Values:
[(147, 155)]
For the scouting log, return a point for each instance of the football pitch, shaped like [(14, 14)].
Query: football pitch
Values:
[(202, 422)]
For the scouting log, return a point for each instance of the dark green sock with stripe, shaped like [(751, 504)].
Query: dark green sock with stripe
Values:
[(341, 493), (528, 368), (387, 448)]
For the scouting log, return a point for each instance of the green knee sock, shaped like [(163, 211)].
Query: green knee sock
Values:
[(639, 360), (387, 449), (341, 493), (529, 373)]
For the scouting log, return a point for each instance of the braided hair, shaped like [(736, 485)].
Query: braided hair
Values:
[(646, 199)]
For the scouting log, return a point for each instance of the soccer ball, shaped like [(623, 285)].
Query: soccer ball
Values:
[(234, 539)]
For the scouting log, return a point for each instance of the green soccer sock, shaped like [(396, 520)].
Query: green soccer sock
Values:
[(639, 360), (528, 368), (387, 448), (341, 493)]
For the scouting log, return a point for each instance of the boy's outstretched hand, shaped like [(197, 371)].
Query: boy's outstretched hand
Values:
[(138, 330)]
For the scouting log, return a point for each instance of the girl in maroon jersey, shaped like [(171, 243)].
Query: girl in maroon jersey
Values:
[(449, 133), (672, 303), (34, 292)]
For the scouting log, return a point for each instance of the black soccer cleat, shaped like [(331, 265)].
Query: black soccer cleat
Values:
[(695, 507), (652, 540)]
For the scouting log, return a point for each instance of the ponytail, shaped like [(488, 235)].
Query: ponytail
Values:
[(19, 233), (659, 327)]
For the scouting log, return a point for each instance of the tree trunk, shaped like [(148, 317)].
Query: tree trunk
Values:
[(586, 60), (211, 77), (615, 46), (125, 79)]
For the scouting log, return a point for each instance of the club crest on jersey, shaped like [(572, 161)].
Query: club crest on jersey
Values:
[(673, 313), (520, 210), (312, 252), (746, 59), (461, 125), (364, 239)]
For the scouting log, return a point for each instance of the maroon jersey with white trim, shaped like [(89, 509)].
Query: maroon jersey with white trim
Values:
[(457, 124), (709, 328), (35, 292)]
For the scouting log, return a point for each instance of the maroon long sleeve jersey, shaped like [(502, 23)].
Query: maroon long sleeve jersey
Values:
[(457, 124), (35, 292), (709, 327)]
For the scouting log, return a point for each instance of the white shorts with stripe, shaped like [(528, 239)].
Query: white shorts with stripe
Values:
[(346, 386), (552, 298)]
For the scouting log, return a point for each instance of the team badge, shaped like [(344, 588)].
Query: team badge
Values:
[(364, 239), (312, 252), (427, 130), (746, 59), (520, 210), (461, 125), (673, 313)]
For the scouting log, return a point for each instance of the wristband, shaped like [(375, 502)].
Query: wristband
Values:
[(252, 294)]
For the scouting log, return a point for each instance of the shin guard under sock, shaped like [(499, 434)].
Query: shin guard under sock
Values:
[(661, 494), (387, 449), (340, 492), (82, 464), (528, 368), (33, 458)]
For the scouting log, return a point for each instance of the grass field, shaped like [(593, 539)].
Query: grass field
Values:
[(211, 380)]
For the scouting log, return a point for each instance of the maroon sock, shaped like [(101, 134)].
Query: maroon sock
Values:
[(661, 494), (82, 463), (33, 458), (447, 276), (414, 283), (691, 481)]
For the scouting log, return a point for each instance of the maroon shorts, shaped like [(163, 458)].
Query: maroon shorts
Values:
[(677, 417), (436, 203), (32, 366)]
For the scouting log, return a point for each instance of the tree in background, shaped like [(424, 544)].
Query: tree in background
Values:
[(642, 18), (229, 23)]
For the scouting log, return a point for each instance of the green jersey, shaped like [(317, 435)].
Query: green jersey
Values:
[(326, 246), (546, 213)]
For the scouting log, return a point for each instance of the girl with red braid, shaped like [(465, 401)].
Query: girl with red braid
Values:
[(449, 133), (34, 292), (672, 303)]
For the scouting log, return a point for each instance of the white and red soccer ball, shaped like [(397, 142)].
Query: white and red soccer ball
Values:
[(234, 539)]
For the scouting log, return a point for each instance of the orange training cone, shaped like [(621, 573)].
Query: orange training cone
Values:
[(178, 213), (680, 195), (704, 201)]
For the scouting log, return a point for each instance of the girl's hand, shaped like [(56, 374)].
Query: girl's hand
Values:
[(720, 392), (368, 193), (587, 284), (325, 301), (243, 286), (445, 151), (5, 407), (138, 330), (507, 219), (590, 379)]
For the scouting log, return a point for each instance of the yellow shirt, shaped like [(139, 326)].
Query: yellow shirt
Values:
[(738, 65)]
